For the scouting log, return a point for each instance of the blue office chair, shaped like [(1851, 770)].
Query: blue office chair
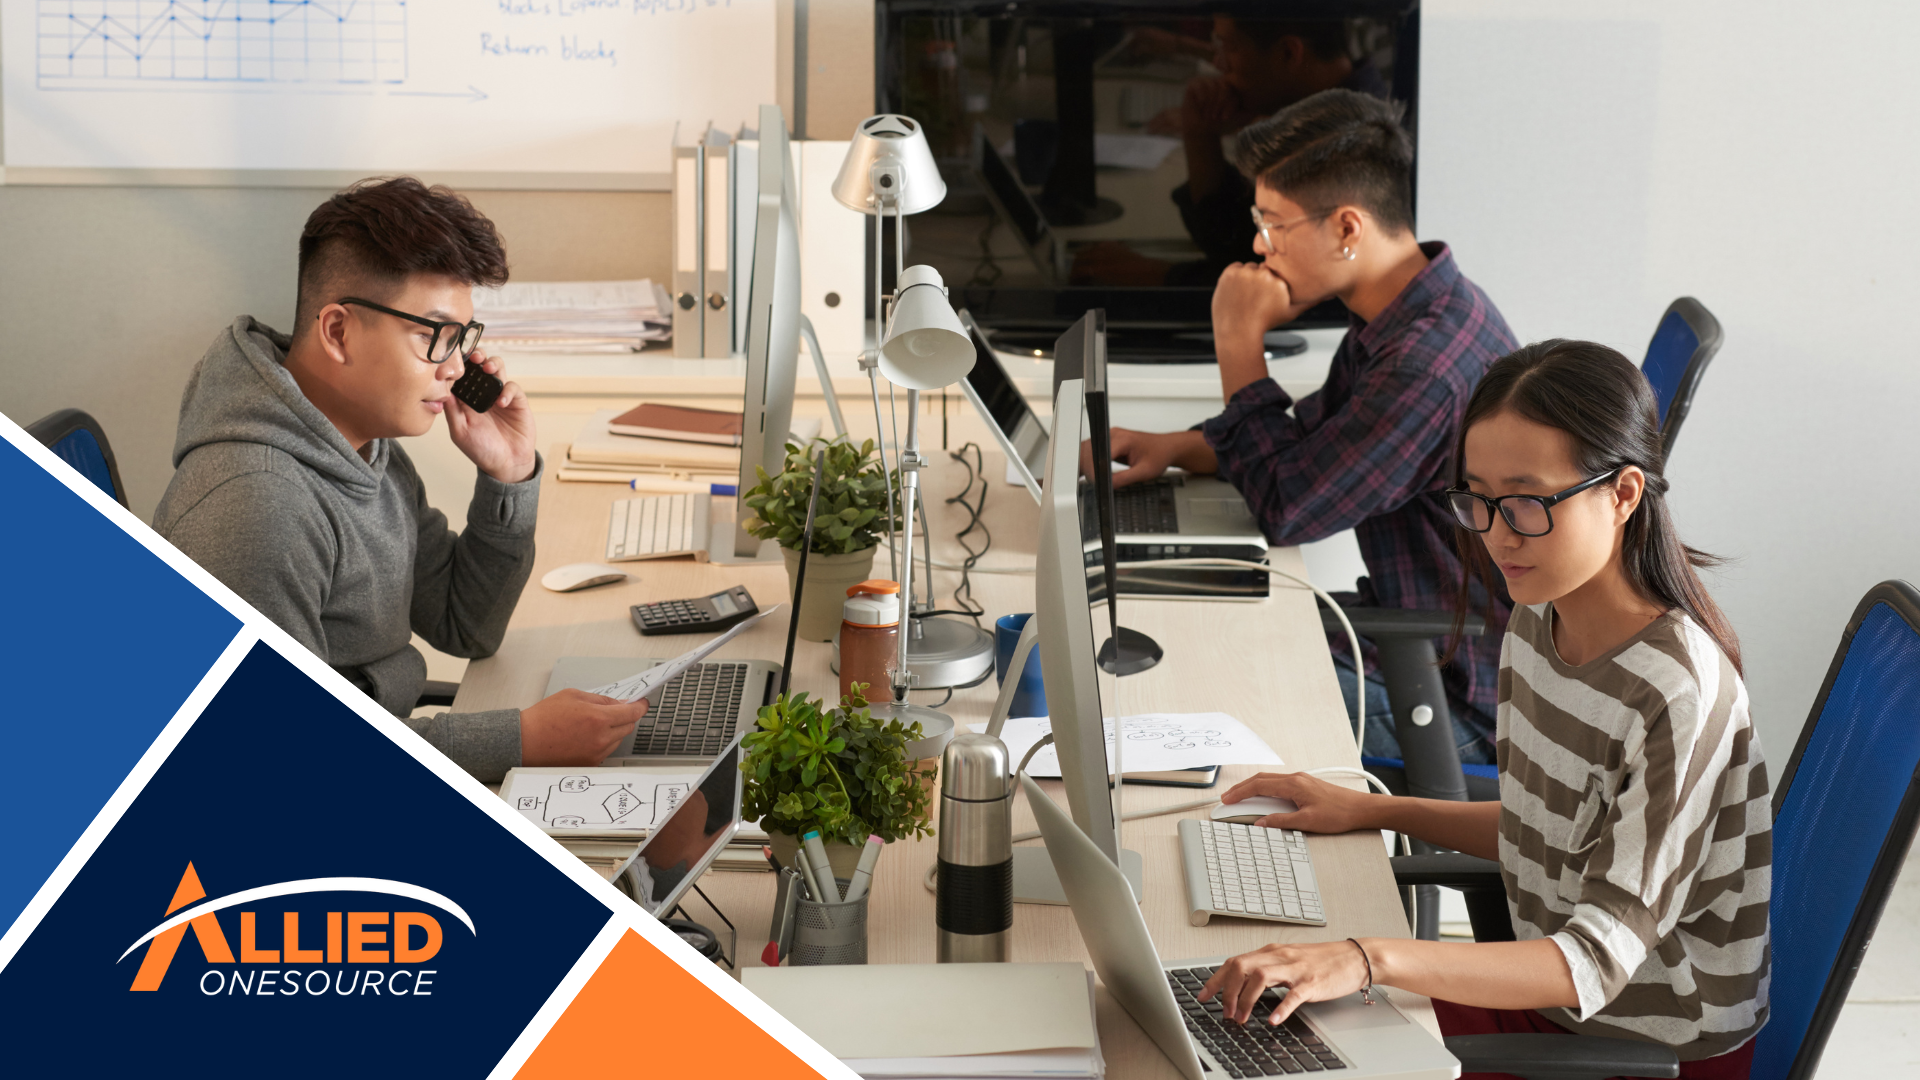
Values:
[(79, 441), (1683, 344), (1844, 815)]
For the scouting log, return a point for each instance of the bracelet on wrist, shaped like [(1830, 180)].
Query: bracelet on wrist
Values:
[(1366, 992)]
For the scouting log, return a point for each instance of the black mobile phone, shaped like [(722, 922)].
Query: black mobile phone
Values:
[(477, 389)]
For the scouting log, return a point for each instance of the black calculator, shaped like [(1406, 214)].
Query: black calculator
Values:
[(702, 614)]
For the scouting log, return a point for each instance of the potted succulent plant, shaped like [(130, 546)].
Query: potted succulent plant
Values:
[(847, 526), (840, 770)]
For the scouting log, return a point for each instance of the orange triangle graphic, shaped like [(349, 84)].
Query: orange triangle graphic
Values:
[(641, 1010), (153, 966)]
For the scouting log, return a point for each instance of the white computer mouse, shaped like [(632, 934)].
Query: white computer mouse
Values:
[(581, 575), (1252, 809)]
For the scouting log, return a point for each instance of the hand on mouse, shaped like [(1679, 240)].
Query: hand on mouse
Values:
[(1323, 807), (574, 727)]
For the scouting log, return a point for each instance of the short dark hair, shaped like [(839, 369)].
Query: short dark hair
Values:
[(379, 232), (1335, 148)]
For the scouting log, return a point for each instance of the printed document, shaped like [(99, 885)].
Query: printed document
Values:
[(635, 687), (1154, 742)]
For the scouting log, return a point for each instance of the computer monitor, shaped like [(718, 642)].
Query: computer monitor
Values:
[(680, 847), (773, 319), (1067, 587), (1081, 353)]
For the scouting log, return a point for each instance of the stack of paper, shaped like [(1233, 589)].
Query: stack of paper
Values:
[(598, 448), (575, 316), (1020, 1020)]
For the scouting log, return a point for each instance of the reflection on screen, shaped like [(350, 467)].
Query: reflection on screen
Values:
[(1003, 400), (695, 829)]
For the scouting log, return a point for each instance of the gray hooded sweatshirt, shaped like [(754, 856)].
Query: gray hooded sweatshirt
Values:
[(340, 552)]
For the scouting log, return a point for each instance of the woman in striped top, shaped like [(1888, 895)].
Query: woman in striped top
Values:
[(1633, 829)]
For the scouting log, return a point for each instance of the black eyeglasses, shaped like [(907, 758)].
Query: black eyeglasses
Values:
[(448, 337), (1528, 515)]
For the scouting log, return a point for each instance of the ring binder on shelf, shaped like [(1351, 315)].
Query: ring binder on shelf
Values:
[(689, 247), (717, 305)]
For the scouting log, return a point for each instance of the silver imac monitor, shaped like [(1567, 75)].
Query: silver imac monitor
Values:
[(773, 319), (1066, 589)]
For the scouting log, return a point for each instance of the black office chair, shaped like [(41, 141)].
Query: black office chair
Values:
[(78, 439), (1683, 344), (1844, 815), (1430, 766)]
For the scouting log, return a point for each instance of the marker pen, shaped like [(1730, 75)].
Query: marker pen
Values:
[(863, 873), (822, 869)]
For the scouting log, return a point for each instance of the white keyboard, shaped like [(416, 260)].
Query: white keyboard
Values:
[(656, 526), (1250, 872)]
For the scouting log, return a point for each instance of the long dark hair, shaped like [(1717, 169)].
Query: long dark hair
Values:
[(1605, 405)]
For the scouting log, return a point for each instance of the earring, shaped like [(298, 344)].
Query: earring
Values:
[(1346, 253)]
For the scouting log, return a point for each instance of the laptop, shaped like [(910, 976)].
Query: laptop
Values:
[(680, 848), (693, 717), (1344, 1037), (1178, 516)]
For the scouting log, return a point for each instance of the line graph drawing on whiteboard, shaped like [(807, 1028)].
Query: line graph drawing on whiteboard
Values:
[(123, 44)]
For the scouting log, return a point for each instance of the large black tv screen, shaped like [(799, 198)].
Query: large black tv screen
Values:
[(1085, 145)]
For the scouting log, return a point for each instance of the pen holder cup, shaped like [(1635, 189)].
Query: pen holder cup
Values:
[(829, 933)]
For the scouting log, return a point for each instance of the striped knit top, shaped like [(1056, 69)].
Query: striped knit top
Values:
[(1636, 831)]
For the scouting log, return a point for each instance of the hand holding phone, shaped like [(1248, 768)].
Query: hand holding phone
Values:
[(477, 389)]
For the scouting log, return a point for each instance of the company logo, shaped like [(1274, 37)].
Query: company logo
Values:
[(359, 953)]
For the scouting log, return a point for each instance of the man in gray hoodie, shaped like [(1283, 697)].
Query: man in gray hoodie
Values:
[(290, 489)]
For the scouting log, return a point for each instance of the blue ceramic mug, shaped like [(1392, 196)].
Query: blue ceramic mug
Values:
[(1030, 699)]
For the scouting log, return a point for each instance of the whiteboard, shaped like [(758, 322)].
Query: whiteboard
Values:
[(588, 88)]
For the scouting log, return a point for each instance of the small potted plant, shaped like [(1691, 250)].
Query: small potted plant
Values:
[(840, 770), (847, 524)]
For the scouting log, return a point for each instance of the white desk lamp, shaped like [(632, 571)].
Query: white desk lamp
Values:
[(890, 169)]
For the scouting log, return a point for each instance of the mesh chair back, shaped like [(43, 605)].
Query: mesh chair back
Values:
[(77, 439), (1683, 344), (1843, 818)]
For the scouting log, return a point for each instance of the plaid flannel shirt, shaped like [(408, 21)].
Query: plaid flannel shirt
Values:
[(1365, 450)]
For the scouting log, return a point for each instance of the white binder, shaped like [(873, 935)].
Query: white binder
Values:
[(718, 297), (833, 257), (689, 278), (746, 202)]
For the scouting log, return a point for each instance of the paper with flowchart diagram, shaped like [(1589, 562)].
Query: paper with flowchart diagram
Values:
[(1154, 742), (581, 801)]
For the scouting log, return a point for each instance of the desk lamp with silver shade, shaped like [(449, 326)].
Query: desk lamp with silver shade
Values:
[(889, 170)]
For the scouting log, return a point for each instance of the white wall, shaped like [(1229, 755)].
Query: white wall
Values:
[(1590, 161)]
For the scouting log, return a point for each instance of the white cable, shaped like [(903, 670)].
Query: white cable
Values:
[(1353, 639)]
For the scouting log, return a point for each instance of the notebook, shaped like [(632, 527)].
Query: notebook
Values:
[(679, 423)]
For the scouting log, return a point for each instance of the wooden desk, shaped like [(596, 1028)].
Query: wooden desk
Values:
[(1265, 663)]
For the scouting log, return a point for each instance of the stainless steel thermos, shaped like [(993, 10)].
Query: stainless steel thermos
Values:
[(973, 904)]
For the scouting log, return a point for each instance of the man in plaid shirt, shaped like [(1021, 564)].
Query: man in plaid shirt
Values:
[(1334, 209)]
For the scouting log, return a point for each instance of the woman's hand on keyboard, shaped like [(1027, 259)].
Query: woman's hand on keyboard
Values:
[(1310, 973), (1324, 807), (574, 727)]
